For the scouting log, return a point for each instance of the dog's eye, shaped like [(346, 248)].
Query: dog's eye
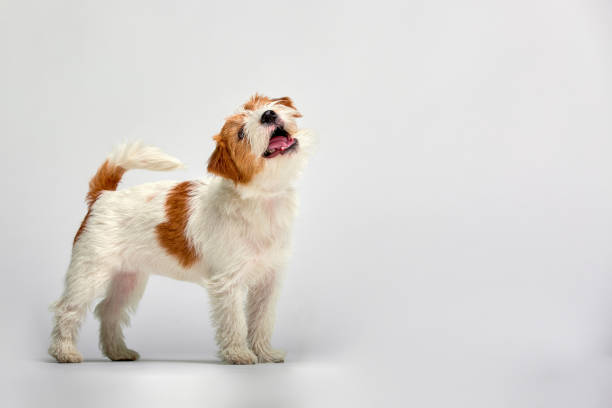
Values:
[(241, 133)]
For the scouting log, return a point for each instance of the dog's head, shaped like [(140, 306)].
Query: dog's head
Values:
[(261, 144)]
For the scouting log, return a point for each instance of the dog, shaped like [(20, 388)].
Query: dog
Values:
[(230, 234)]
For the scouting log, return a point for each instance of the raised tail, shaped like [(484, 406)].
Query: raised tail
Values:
[(126, 156)]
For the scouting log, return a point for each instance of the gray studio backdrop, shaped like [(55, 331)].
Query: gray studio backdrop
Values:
[(453, 246)]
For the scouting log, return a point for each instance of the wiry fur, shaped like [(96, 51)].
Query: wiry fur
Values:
[(238, 233)]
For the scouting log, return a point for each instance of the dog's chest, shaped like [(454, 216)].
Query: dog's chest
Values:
[(267, 225), (245, 235)]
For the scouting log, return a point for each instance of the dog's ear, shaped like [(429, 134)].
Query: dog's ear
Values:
[(285, 100), (222, 164)]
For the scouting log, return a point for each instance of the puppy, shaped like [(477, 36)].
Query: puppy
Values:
[(230, 234)]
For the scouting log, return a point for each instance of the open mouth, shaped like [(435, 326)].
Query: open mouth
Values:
[(281, 142)]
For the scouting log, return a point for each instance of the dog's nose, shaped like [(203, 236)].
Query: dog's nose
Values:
[(268, 116)]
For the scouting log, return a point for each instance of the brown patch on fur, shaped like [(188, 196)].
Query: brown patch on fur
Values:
[(107, 177), (82, 227), (256, 101), (285, 100), (232, 157), (171, 234)]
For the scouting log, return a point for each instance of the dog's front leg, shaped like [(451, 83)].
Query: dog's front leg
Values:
[(261, 307), (229, 319)]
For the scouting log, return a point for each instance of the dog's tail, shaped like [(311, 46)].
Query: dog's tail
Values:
[(127, 156)]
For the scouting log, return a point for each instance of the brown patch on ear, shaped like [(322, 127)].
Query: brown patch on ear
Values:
[(171, 234), (221, 163), (232, 157), (286, 101)]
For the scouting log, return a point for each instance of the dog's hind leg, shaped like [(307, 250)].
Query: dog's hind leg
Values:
[(84, 282), (122, 295)]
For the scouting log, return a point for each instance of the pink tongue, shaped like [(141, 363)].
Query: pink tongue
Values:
[(279, 142)]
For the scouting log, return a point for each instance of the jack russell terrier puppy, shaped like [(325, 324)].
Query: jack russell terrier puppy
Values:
[(230, 234)]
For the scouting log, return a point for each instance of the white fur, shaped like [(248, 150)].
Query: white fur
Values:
[(136, 155), (241, 234)]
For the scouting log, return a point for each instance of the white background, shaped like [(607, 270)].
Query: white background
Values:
[(453, 244)]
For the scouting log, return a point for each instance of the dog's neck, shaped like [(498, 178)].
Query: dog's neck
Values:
[(271, 212), (251, 192)]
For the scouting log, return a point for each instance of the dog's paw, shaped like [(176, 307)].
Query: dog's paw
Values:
[(65, 354), (122, 354), (269, 355), (238, 356)]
